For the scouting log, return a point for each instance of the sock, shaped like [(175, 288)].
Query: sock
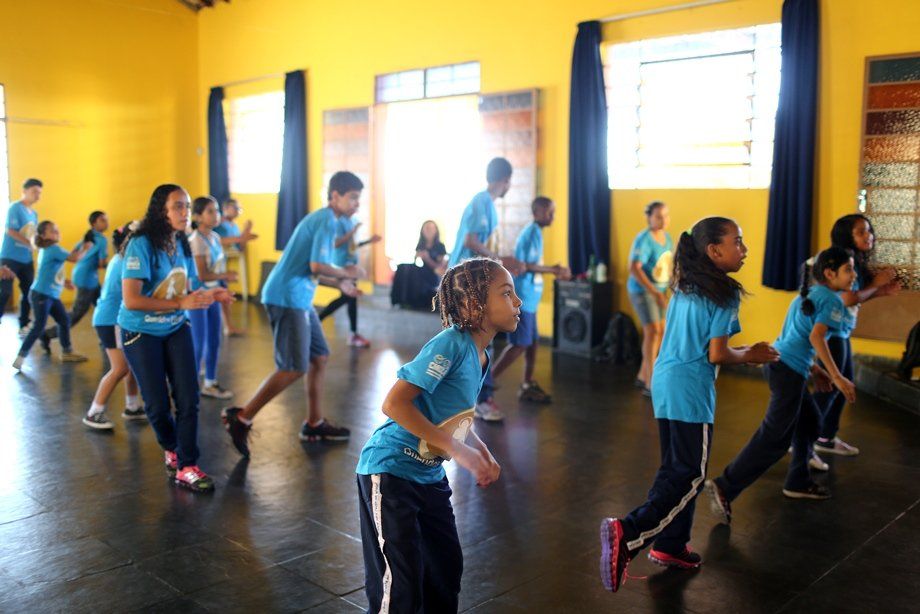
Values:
[(95, 408), (244, 420), (313, 426), (209, 382), (132, 401)]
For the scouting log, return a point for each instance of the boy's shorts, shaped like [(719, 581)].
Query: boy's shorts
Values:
[(297, 336), (526, 332), (646, 307)]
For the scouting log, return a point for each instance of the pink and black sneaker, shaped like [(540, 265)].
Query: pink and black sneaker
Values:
[(688, 559), (614, 555), (172, 463), (194, 479)]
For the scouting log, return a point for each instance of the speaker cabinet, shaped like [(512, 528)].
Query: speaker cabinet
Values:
[(581, 316)]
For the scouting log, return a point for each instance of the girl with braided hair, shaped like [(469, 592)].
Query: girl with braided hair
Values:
[(412, 556)]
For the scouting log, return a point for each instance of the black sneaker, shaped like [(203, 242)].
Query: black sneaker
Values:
[(614, 555), (813, 491), (239, 431), (688, 559), (325, 431), (718, 504), (45, 340), (98, 421), (134, 414)]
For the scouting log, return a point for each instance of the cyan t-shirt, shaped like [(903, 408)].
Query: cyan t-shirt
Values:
[(228, 229), (794, 347), (49, 280), (210, 248), (448, 371), (346, 253), (657, 261), (480, 218), (86, 271), (106, 313), (165, 277), (25, 220), (291, 284), (529, 249), (683, 382)]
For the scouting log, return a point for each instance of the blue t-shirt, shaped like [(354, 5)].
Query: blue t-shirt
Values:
[(448, 371), (683, 382), (795, 349), (209, 248), (106, 313), (657, 261), (86, 272), (346, 253), (228, 229), (165, 277), (529, 249), (291, 284), (25, 220), (49, 280), (480, 218)]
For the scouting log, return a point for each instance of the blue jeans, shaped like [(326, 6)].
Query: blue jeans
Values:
[(831, 403), (25, 272), (154, 361), (45, 305), (206, 335)]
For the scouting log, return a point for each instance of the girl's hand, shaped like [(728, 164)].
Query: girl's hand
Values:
[(494, 468), (354, 271), (199, 299), (476, 463), (822, 380), (661, 299), (349, 288), (846, 387), (230, 276), (221, 295), (68, 284), (762, 352), (892, 288), (884, 276)]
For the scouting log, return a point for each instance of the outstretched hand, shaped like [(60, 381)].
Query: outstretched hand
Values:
[(762, 352)]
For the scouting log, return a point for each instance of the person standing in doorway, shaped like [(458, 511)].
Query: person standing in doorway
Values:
[(16, 251)]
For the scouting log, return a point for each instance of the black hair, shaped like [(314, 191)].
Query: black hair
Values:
[(464, 291), (95, 215), (31, 183), (120, 236), (652, 206), (842, 236), (155, 225), (343, 182), (422, 243), (498, 169), (37, 239), (832, 258), (230, 201), (199, 205), (696, 273), (540, 202)]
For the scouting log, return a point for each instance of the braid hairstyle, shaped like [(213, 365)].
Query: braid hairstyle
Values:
[(463, 293), (832, 258), (696, 273)]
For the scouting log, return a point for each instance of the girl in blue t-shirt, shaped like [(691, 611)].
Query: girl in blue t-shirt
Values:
[(407, 522), (156, 273), (45, 294), (702, 315), (792, 417), (105, 320)]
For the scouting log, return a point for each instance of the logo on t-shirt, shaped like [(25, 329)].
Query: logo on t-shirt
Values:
[(458, 426), (59, 277), (175, 285), (836, 315), (28, 230), (133, 263), (662, 272), (438, 367)]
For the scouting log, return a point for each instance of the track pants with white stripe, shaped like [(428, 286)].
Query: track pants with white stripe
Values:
[(667, 517), (412, 556)]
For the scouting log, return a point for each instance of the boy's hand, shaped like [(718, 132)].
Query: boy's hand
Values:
[(846, 387), (374, 239), (353, 271), (514, 266), (762, 352), (69, 284), (6, 272), (349, 288), (230, 276), (476, 463), (563, 272), (247, 226), (821, 379), (661, 299)]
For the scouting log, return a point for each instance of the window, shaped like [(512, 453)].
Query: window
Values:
[(693, 111), (434, 82), (255, 139), (4, 159)]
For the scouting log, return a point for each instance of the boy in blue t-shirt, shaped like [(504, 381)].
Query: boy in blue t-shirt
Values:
[(287, 295), (529, 286), (16, 250)]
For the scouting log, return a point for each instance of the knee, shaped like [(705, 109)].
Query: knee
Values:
[(318, 363)]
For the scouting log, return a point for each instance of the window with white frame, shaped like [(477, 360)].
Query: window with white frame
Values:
[(4, 158), (694, 111), (255, 139), (432, 82)]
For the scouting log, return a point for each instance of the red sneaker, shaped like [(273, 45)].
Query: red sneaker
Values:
[(357, 341), (172, 463), (688, 559), (614, 555), (194, 479)]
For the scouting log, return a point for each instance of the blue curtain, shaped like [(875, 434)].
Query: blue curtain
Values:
[(589, 194), (292, 197), (218, 172), (792, 185)]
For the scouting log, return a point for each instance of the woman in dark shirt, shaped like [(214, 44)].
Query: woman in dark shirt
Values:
[(414, 286), (430, 250)]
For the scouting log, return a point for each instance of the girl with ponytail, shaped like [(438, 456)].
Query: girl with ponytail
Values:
[(702, 316)]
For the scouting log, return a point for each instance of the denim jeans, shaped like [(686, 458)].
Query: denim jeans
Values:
[(206, 335), (85, 299), (45, 305), (25, 272), (831, 404)]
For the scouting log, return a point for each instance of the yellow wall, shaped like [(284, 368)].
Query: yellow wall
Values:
[(109, 89)]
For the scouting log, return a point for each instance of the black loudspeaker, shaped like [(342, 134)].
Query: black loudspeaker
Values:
[(581, 316)]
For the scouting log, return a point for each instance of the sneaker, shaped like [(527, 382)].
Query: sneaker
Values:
[(17, 364), (24, 331), (134, 414), (216, 392), (194, 479), (72, 356), (688, 559), (488, 411), (817, 463), (647, 392), (357, 341), (614, 556), (638, 383), (45, 341), (239, 431), (532, 393), (172, 463), (98, 421), (719, 505), (814, 491), (836, 446), (325, 431)]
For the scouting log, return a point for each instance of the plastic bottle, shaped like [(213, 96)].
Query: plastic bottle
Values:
[(591, 269), (600, 273)]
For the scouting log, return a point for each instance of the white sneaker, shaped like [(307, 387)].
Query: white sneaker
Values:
[(98, 421), (215, 392), (17, 364), (836, 446), (24, 331), (817, 463), (488, 411)]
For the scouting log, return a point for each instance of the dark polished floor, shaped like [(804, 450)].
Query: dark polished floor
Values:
[(89, 523)]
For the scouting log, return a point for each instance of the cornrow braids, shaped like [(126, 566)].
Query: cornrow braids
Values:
[(463, 293)]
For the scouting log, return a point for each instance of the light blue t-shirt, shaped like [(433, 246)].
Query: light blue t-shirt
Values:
[(683, 382), (106, 313), (480, 218), (25, 220), (529, 249), (657, 261), (346, 253), (794, 347), (291, 284), (49, 279), (210, 248), (448, 371), (228, 229), (165, 277), (85, 272)]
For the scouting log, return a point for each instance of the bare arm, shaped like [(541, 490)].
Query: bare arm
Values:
[(638, 273), (133, 299), (79, 252), (18, 236), (337, 272), (818, 339), (721, 354)]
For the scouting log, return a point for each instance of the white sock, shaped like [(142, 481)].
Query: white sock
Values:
[(244, 420), (132, 401), (209, 382), (95, 408)]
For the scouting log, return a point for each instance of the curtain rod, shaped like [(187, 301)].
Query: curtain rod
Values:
[(251, 79), (663, 9)]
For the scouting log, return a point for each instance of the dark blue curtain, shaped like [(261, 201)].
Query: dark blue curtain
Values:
[(292, 197), (589, 194), (218, 172), (792, 185)]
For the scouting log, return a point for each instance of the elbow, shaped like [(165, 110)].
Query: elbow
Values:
[(131, 303), (315, 268), (387, 408)]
